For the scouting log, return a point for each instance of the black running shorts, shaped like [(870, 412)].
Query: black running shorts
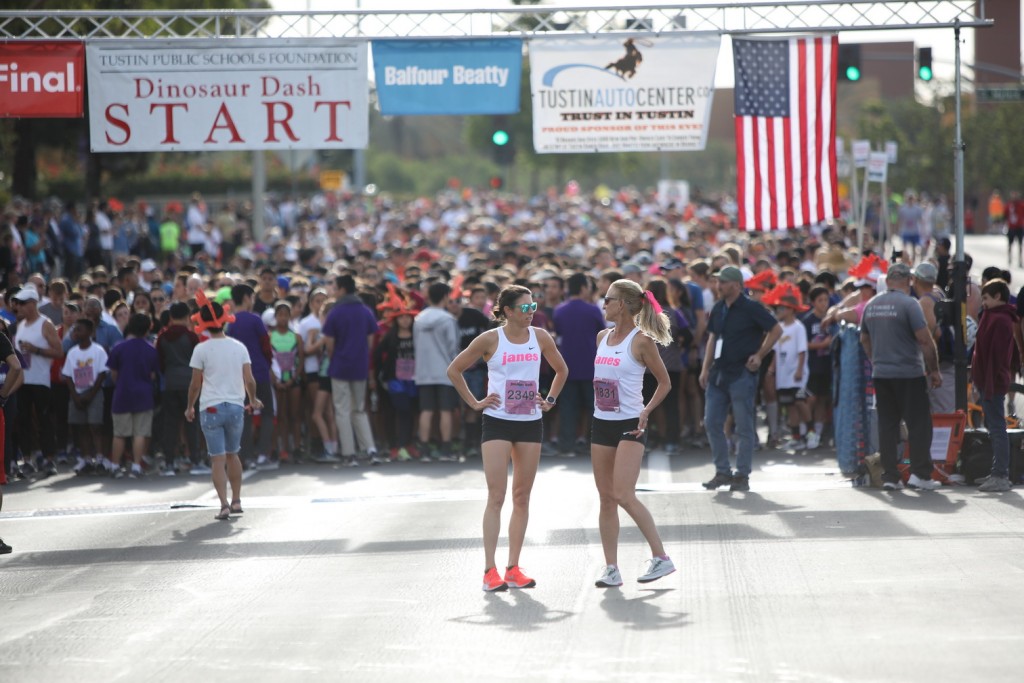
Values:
[(610, 432), (513, 431)]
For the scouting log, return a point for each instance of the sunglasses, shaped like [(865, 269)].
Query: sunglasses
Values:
[(528, 308), (610, 298), (158, 299)]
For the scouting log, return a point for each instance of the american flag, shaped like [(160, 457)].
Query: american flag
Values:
[(786, 131)]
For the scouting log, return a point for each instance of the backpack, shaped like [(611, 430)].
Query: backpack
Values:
[(944, 321)]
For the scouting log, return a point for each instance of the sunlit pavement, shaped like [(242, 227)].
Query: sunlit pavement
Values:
[(375, 574)]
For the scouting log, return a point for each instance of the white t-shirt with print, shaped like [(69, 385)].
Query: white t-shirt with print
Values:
[(791, 344), (221, 361), (83, 366)]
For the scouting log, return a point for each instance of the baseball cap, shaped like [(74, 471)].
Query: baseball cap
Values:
[(631, 269), (926, 272), (899, 271), (147, 266), (27, 294), (730, 274)]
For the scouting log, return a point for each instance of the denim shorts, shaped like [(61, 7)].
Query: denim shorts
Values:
[(222, 427)]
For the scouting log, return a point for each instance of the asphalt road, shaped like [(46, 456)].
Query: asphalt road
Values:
[(373, 574)]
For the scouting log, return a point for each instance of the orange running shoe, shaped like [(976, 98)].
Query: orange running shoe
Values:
[(493, 582), (515, 578)]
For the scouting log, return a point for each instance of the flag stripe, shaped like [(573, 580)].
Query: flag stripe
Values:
[(740, 124), (819, 128), (801, 113), (785, 132), (755, 140), (769, 162)]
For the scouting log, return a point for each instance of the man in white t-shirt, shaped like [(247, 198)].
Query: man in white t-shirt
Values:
[(221, 379)]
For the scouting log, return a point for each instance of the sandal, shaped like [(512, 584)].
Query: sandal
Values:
[(236, 507), (224, 513)]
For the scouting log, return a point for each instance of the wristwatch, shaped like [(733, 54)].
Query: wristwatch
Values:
[(552, 400)]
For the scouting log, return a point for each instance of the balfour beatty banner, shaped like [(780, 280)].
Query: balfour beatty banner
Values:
[(614, 95), (41, 79), (197, 95), (448, 77)]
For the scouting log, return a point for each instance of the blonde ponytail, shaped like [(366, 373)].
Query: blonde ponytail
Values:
[(654, 325)]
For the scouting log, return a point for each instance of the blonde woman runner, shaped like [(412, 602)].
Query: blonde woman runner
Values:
[(512, 426), (619, 428)]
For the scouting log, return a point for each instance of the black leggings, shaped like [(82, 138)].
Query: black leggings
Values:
[(35, 399)]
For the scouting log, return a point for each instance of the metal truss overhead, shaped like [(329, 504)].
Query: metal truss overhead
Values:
[(536, 21)]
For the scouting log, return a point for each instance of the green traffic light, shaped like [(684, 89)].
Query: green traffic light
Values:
[(852, 73), (925, 73), (500, 138)]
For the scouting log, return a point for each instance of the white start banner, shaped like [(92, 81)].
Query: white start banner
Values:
[(237, 94), (612, 95)]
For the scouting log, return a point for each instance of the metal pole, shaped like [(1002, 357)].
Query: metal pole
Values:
[(359, 155), (855, 216), (259, 187), (959, 263)]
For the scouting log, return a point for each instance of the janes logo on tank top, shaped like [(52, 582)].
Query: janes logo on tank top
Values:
[(607, 360), (507, 358)]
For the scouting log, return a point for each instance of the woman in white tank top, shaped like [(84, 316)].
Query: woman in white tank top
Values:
[(620, 419), (512, 426)]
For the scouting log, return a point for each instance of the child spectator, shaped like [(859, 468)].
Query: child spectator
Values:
[(133, 366), (395, 360), (789, 367), (174, 348), (819, 364), (996, 361), (85, 369), (288, 367)]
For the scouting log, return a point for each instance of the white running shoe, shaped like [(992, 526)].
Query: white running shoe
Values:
[(657, 568), (813, 440), (609, 578), (916, 482)]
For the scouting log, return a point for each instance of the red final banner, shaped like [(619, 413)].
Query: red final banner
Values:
[(41, 79)]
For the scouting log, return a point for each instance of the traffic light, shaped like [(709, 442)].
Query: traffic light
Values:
[(502, 144), (849, 62), (924, 63)]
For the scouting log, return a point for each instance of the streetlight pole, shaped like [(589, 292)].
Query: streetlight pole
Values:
[(959, 263)]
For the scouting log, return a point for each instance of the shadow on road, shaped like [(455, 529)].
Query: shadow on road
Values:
[(925, 501), (750, 503), (514, 610), (214, 531), (640, 613)]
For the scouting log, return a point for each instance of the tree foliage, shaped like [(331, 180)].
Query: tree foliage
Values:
[(20, 139)]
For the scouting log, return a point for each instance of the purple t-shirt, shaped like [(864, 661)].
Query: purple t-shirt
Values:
[(137, 363), (577, 324), (350, 322), (249, 329)]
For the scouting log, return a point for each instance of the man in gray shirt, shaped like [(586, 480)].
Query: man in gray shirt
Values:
[(902, 351)]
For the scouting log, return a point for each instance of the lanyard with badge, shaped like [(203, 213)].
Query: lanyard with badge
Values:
[(720, 341)]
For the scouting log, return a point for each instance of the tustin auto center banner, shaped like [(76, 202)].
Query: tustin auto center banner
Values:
[(622, 95), (41, 79), (236, 94)]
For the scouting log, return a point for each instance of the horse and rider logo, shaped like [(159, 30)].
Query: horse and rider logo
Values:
[(624, 68)]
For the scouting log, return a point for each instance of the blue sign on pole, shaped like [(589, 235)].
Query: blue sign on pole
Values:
[(417, 77)]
